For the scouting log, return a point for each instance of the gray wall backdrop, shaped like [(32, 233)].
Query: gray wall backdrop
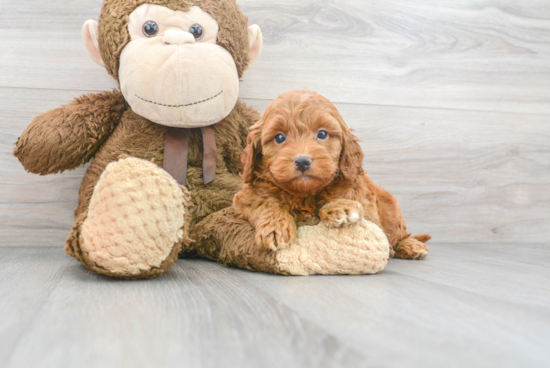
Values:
[(450, 99)]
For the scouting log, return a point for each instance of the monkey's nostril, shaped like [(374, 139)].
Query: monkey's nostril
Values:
[(303, 163)]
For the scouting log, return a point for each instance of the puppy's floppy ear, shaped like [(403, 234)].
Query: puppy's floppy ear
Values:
[(252, 152), (351, 158)]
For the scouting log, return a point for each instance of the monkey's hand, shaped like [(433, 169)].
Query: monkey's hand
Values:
[(341, 212), (68, 137), (276, 231)]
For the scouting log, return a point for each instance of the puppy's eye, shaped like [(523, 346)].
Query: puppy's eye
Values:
[(197, 31), (150, 29), (322, 135), (280, 138)]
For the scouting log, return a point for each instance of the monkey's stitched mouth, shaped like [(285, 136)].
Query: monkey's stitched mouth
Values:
[(189, 104)]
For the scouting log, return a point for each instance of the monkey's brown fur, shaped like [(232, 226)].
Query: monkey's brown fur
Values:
[(102, 128)]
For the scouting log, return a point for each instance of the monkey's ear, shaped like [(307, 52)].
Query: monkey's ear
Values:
[(255, 40), (90, 35)]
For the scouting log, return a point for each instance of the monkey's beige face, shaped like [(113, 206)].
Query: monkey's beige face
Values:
[(173, 72)]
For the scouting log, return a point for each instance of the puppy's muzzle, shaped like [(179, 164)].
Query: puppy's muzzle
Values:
[(303, 163)]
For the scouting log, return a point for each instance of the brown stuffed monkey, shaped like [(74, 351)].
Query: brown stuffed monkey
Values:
[(166, 148)]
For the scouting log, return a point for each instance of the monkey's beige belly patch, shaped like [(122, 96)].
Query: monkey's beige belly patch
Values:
[(135, 218), (362, 248)]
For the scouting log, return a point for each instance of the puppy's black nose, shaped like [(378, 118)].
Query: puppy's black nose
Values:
[(303, 164)]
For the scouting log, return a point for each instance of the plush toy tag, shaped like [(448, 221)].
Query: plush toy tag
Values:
[(176, 154)]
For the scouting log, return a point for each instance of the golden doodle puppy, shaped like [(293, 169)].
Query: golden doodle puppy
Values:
[(303, 165)]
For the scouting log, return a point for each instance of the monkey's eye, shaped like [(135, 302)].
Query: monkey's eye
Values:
[(280, 138), (150, 29), (322, 135), (197, 31)]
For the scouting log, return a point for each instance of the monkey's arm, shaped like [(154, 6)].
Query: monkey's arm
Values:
[(68, 137)]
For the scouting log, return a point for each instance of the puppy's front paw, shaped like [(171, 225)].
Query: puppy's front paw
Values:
[(341, 212), (275, 234)]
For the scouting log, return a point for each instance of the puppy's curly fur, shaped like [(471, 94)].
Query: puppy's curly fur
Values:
[(329, 184)]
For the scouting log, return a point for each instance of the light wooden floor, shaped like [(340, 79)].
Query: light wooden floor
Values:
[(466, 306)]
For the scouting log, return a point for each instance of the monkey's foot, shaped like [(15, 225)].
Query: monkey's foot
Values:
[(361, 248), (411, 248), (136, 224)]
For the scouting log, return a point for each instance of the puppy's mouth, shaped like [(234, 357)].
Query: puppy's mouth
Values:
[(304, 176), (310, 180), (298, 178)]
